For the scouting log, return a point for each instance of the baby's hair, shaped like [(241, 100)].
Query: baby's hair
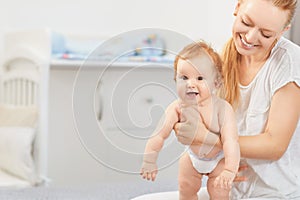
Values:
[(200, 48)]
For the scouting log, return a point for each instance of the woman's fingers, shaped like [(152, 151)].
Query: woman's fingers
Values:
[(240, 178), (243, 167)]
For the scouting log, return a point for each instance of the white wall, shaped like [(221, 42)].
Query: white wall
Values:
[(295, 32), (198, 19)]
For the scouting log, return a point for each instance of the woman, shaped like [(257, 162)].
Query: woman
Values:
[(262, 82)]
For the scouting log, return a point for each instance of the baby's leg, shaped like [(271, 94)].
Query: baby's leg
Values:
[(217, 192), (189, 179)]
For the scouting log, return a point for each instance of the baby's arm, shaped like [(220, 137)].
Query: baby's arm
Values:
[(231, 148), (155, 143)]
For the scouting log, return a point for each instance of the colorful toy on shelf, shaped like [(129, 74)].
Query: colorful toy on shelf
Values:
[(152, 45)]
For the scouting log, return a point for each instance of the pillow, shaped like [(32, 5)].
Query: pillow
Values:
[(18, 115), (10, 181), (16, 152)]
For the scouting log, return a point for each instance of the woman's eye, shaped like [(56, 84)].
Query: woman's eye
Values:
[(245, 23), (265, 35)]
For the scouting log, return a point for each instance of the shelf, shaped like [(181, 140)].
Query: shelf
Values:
[(76, 64)]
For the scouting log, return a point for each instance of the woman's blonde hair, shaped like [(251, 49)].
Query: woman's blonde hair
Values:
[(197, 49), (232, 59)]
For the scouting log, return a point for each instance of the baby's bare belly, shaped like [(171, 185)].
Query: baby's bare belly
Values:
[(205, 151)]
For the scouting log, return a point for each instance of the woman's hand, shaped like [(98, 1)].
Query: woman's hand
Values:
[(190, 126), (192, 130), (240, 178)]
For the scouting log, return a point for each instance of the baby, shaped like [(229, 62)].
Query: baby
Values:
[(198, 76)]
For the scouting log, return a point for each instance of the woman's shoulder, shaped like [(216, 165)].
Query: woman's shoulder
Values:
[(285, 56), (287, 47), (284, 64)]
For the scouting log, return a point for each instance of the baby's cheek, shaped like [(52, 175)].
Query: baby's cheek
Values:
[(180, 86), (180, 82)]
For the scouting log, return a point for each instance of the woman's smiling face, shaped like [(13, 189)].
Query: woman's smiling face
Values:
[(257, 26)]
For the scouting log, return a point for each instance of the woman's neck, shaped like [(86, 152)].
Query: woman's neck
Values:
[(249, 68)]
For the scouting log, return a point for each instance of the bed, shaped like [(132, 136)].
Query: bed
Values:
[(23, 117)]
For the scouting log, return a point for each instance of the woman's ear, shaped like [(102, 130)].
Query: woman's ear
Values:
[(287, 28), (284, 30)]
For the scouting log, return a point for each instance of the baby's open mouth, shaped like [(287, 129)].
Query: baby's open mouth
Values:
[(192, 94)]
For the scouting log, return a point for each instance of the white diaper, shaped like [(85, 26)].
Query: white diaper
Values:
[(204, 165)]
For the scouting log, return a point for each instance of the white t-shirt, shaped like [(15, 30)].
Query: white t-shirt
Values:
[(282, 177)]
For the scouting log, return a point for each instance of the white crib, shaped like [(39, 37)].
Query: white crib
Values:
[(23, 109)]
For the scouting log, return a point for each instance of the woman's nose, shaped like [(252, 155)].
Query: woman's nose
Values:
[(252, 35)]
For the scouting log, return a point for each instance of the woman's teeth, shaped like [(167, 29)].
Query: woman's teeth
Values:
[(246, 44)]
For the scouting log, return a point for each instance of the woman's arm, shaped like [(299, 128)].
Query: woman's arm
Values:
[(282, 121)]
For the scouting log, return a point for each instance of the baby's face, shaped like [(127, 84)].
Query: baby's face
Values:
[(195, 79)]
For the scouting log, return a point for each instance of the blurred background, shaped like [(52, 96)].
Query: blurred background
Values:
[(126, 91)]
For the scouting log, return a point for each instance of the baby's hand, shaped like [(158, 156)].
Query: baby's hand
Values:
[(225, 179), (149, 170)]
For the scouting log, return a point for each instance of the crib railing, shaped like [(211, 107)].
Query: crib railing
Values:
[(19, 88)]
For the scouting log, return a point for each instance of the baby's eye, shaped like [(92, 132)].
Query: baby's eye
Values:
[(184, 78), (200, 78)]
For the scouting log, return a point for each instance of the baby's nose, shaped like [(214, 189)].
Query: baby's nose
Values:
[(191, 83)]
